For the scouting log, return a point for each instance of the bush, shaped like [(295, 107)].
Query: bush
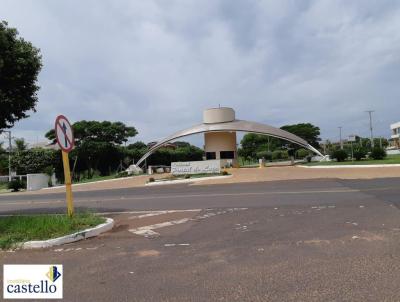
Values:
[(122, 174), (302, 153), (187, 176), (339, 155), (16, 185), (225, 172), (264, 154), (151, 179), (360, 153), (280, 154), (378, 153)]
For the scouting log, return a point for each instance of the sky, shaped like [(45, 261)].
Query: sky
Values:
[(156, 64)]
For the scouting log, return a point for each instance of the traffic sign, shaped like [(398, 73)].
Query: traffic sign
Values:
[(64, 133), (65, 139)]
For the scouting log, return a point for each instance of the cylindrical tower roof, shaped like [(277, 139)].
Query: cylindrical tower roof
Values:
[(218, 115)]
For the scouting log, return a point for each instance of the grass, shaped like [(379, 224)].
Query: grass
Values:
[(390, 159), (16, 229), (3, 187)]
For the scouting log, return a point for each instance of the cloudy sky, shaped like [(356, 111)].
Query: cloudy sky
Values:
[(156, 65)]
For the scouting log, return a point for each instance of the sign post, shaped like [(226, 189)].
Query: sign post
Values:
[(65, 139)]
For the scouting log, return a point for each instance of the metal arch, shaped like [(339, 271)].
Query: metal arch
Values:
[(236, 125)]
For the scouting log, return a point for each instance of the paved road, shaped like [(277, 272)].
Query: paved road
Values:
[(301, 192), (320, 240)]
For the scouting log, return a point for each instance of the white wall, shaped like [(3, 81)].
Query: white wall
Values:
[(36, 181)]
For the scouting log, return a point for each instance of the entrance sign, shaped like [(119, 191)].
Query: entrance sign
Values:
[(196, 167), (65, 139)]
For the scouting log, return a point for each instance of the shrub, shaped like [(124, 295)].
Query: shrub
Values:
[(151, 179), (187, 176), (225, 172), (264, 154), (302, 153), (15, 185), (360, 153), (279, 154), (378, 153), (339, 155), (122, 174)]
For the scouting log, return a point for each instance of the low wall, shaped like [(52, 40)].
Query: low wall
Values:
[(36, 181)]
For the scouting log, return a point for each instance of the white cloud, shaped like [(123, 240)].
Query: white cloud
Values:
[(157, 64)]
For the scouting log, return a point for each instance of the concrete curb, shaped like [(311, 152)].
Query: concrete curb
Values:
[(185, 181), (92, 232), (351, 166)]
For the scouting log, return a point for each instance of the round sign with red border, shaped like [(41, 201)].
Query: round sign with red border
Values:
[(64, 133)]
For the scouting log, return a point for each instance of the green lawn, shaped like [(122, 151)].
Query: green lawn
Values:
[(390, 159), (16, 229)]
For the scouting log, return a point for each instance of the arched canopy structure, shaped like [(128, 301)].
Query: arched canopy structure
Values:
[(235, 125)]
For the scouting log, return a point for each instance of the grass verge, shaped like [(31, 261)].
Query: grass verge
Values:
[(16, 229)]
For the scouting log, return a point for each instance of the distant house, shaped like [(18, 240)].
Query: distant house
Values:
[(167, 145), (395, 135), (44, 145)]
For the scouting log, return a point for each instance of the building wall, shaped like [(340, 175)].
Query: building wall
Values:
[(220, 141), (396, 134)]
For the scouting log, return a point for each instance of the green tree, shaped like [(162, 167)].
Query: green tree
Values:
[(34, 160), (306, 131), (20, 145), (20, 64), (3, 160), (97, 145)]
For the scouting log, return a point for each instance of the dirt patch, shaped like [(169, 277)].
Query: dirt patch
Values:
[(148, 253)]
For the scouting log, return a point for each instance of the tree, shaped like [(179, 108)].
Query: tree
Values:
[(378, 153), (306, 131), (20, 144), (33, 160), (3, 160), (97, 145), (339, 155), (20, 64)]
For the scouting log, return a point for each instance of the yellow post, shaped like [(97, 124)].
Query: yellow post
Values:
[(68, 186)]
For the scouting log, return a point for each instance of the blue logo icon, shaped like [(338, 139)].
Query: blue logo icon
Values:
[(53, 274)]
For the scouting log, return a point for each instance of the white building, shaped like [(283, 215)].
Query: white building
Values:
[(396, 134)]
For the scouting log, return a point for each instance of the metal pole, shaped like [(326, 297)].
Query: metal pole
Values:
[(370, 127), (340, 135)]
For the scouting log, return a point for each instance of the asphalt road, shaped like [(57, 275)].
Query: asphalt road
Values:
[(301, 192), (316, 240)]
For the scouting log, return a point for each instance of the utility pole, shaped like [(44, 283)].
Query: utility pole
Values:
[(9, 153), (340, 135), (370, 127)]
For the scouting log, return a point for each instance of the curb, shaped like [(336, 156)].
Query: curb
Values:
[(184, 181), (351, 166), (92, 232)]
